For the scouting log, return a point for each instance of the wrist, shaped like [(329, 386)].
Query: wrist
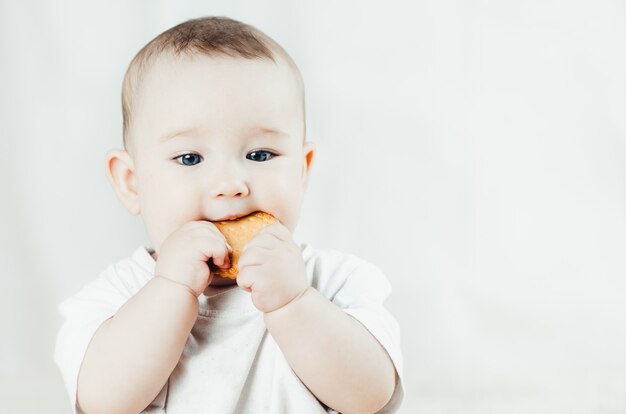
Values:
[(176, 284), (291, 305)]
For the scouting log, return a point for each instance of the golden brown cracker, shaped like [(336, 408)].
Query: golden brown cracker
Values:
[(238, 232)]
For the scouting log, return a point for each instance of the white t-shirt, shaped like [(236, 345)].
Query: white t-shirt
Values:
[(230, 363)]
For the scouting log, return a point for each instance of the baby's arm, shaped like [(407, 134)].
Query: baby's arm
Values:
[(333, 354), (131, 355)]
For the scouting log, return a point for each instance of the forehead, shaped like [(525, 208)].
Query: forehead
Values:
[(217, 93)]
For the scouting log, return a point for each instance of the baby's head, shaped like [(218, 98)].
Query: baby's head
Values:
[(214, 128)]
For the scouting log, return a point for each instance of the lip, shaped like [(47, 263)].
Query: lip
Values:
[(232, 217)]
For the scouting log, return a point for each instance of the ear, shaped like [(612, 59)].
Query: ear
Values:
[(309, 153), (120, 169)]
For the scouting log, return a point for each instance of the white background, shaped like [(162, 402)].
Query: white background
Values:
[(474, 150)]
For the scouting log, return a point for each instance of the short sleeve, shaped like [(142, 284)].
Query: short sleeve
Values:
[(362, 296), (82, 315)]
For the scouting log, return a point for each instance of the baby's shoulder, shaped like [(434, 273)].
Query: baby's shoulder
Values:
[(331, 271), (122, 278), (117, 283)]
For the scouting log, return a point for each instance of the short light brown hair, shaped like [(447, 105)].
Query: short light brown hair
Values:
[(208, 36)]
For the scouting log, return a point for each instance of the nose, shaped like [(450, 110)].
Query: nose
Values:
[(228, 181)]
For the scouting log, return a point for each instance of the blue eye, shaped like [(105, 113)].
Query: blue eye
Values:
[(189, 159), (260, 156)]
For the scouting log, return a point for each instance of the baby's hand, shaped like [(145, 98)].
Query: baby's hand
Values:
[(272, 269), (184, 255)]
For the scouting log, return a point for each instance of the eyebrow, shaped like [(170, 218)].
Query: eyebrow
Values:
[(192, 133), (268, 131)]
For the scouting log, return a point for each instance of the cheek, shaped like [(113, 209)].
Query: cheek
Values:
[(284, 183), (283, 194), (164, 208)]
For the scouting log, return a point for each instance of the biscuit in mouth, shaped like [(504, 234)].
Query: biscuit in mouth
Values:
[(238, 232)]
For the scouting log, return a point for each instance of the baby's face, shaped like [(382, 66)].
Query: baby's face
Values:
[(216, 138)]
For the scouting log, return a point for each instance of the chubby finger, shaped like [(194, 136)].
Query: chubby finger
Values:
[(278, 230), (219, 256), (263, 241), (206, 226), (199, 231), (213, 246), (246, 277), (221, 259), (252, 257)]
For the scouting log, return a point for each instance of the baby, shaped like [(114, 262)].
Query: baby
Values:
[(214, 129)]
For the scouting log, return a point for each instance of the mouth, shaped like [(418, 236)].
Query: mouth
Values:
[(233, 217)]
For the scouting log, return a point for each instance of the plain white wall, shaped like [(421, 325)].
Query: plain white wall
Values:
[(474, 150)]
